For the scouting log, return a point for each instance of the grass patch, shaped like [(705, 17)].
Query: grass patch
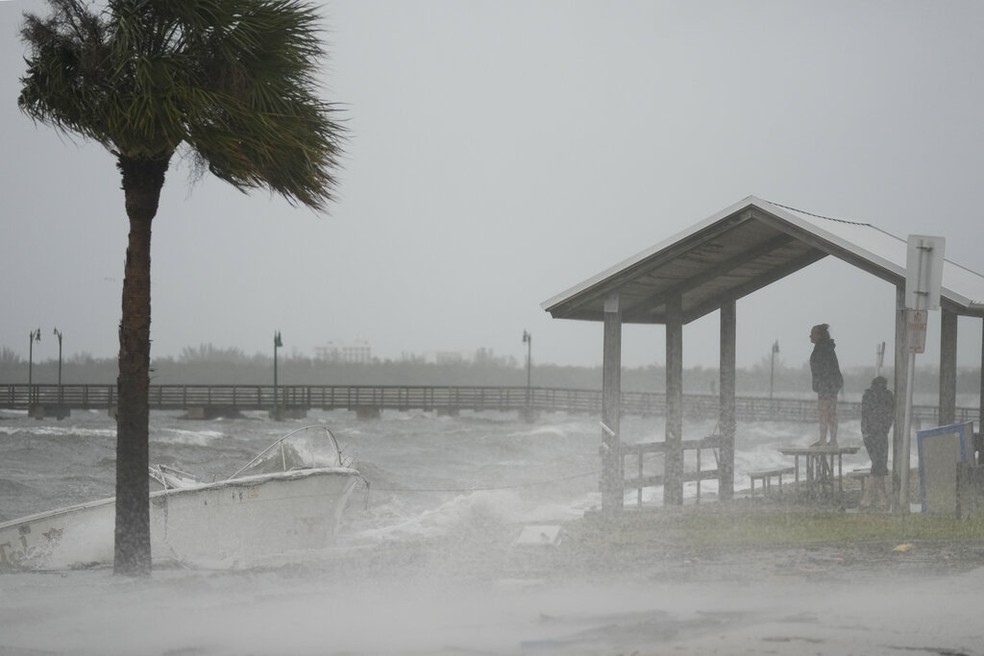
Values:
[(813, 528), (737, 526)]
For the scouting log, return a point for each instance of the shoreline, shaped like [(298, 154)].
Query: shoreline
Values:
[(747, 541), (650, 583)]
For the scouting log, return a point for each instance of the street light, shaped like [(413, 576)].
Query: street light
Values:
[(772, 374), (277, 343), (58, 334), (528, 340), (35, 337)]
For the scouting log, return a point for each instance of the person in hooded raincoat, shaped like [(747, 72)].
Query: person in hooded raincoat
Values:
[(827, 381), (877, 416)]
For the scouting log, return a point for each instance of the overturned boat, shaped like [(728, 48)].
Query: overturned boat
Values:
[(286, 502)]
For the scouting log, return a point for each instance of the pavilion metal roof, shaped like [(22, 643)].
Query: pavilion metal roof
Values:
[(744, 248)]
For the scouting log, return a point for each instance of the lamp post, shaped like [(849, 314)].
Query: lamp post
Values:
[(772, 373), (277, 343), (35, 337), (528, 340), (58, 334)]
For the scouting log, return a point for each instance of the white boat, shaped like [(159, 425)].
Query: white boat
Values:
[(284, 503)]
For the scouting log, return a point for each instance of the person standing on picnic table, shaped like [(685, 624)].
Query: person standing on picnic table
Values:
[(827, 381), (877, 416)]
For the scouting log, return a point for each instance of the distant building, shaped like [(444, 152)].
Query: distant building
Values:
[(358, 351), (482, 356), (447, 357)]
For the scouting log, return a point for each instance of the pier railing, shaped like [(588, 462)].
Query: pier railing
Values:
[(449, 399)]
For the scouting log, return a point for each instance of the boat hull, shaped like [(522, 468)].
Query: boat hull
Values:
[(238, 522)]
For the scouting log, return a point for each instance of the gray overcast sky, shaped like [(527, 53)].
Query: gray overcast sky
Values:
[(503, 151)]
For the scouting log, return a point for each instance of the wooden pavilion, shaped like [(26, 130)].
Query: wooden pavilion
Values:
[(708, 267)]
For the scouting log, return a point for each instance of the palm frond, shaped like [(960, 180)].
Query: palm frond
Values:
[(234, 80)]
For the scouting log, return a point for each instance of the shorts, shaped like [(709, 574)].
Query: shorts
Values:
[(877, 446)]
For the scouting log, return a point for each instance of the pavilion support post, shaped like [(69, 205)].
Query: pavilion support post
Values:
[(980, 400), (673, 464), (901, 390), (726, 403), (612, 481), (948, 367)]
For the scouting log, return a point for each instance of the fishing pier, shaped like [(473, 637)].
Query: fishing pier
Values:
[(208, 401)]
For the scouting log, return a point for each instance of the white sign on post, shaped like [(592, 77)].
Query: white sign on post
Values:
[(924, 272)]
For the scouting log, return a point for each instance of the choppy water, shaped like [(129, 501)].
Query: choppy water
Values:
[(425, 470), (423, 563)]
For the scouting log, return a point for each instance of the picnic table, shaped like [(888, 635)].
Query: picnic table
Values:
[(820, 461)]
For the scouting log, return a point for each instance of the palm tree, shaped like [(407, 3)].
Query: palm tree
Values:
[(230, 82)]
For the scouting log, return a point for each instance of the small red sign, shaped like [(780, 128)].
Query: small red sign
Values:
[(915, 330)]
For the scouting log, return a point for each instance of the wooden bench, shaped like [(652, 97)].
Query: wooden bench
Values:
[(766, 476), (858, 474), (643, 449)]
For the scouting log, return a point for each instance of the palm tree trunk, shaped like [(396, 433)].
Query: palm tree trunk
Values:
[(142, 183)]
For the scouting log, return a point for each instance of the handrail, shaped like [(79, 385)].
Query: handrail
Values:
[(427, 398)]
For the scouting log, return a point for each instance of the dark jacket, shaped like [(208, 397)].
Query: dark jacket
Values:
[(877, 411), (827, 379)]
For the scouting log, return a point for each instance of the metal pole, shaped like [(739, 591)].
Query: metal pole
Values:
[(60, 395), (528, 340), (772, 375), (35, 337), (276, 396), (529, 362), (904, 457)]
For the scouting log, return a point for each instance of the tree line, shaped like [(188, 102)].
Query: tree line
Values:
[(210, 365)]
